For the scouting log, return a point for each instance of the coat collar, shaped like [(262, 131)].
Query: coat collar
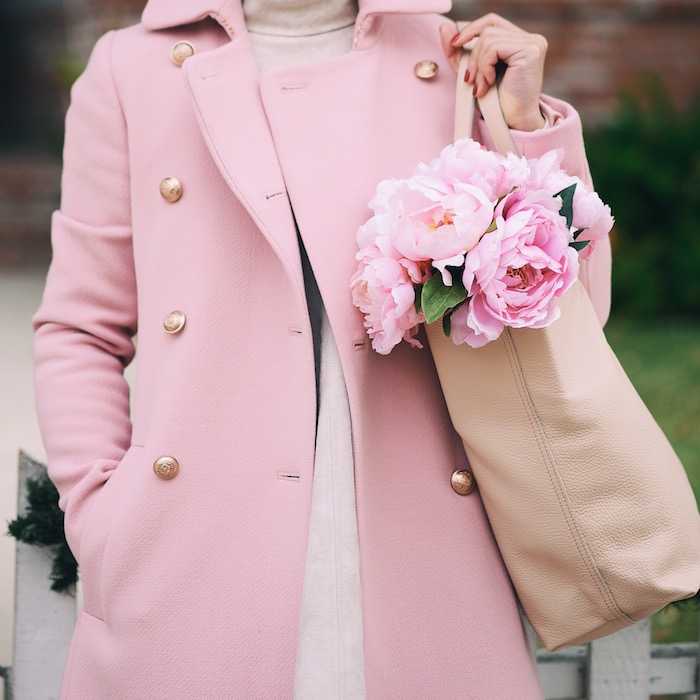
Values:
[(164, 14)]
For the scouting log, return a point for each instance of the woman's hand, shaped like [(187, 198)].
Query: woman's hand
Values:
[(522, 54)]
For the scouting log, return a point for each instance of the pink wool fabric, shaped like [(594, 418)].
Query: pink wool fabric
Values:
[(193, 585)]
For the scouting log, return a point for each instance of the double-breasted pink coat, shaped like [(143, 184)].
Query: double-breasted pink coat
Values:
[(189, 515)]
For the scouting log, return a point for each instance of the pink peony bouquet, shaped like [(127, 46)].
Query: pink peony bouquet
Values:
[(481, 240)]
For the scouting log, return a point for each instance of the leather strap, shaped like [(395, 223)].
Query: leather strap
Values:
[(489, 105)]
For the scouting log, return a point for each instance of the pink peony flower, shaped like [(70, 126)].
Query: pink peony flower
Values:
[(590, 213), (423, 219), (593, 216), (468, 162), (383, 289), (516, 271), (545, 173), (492, 219)]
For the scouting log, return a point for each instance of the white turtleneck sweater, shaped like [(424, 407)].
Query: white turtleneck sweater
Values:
[(330, 658), (290, 32)]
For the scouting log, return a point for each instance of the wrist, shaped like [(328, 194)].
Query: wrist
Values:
[(527, 122)]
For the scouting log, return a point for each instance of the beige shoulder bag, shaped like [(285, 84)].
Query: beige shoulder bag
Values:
[(590, 506)]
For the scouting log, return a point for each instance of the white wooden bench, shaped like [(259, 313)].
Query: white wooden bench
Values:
[(623, 666)]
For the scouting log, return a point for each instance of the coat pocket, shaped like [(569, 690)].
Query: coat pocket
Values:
[(97, 528)]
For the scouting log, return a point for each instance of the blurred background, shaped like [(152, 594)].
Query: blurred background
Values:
[(632, 69)]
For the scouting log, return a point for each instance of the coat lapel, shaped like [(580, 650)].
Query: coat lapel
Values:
[(225, 92)]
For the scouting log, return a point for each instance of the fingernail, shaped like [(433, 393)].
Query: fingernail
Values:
[(475, 90), (467, 77), (455, 40)]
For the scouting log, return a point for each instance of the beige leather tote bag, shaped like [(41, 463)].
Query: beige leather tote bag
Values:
[(590, 506)]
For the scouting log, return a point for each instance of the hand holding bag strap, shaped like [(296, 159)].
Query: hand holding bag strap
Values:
[(490, 107)]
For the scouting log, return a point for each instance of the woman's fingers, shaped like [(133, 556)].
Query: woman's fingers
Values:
[(483, 59), (519, 52), (500, 45), (475, 28)]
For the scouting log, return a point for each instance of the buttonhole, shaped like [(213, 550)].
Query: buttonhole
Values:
[(209, 76), (288, 476), (360, 344), (274, 194), (296, 331), (294, 88)]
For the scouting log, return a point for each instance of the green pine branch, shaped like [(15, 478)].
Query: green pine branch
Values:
[(41, 525)]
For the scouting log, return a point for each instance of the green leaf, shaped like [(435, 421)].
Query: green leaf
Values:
[(579, 245), (578, 233), (567, 203), (418, 291), (447, 323), (437, 298)]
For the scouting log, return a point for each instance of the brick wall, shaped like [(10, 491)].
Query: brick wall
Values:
[(597, 48), (28, 195)]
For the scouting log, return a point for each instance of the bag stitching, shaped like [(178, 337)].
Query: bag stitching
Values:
[(529, 410), (557, 480), (553, 470), (547, 458)]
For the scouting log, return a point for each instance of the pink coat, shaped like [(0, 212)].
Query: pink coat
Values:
[(192, 584)]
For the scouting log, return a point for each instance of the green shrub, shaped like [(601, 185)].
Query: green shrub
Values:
[(646, 165)]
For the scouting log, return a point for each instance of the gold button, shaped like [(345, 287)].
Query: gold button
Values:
[(166, 468), (462, 482), (171, 189), (174, 322), (181, 51), (426, 69)]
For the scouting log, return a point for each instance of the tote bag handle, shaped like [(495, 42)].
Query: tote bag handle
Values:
[(489, 106)]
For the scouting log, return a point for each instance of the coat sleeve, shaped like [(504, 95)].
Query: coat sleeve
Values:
[(565, 132), (87, 318)]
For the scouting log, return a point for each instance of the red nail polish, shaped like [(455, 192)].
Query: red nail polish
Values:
[(455, 40), (466, 77), (475, 90)]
